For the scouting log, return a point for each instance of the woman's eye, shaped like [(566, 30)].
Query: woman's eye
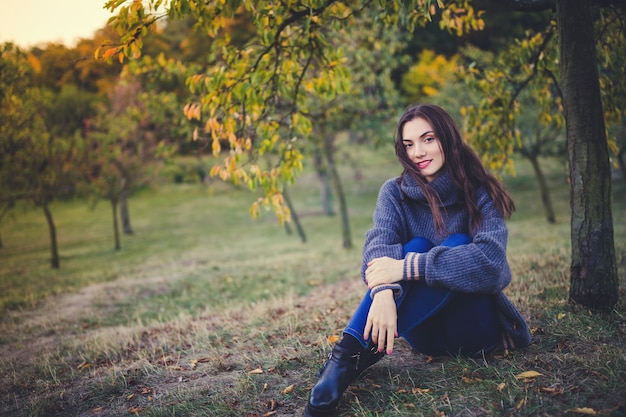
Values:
[(429, 139)]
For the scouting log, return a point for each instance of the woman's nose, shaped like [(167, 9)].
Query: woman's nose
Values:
[(418, 151)]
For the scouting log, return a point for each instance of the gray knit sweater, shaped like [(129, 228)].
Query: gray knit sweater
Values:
[(481, 266)]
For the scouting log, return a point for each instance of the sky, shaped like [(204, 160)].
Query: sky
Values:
[(31, 22)]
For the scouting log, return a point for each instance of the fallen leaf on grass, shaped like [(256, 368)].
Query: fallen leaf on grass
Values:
[(84, 365), (135, 410), (560, 316), (288, 389), (528, 374), (332, 339), (520, 404), (255, 371), (583, 410), (420, 390), (501, 386), (552, 391)]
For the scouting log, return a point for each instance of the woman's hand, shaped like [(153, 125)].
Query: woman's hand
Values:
[(384, 270), (382, 321)]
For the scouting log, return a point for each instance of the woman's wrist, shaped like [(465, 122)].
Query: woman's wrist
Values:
[(395, 288)]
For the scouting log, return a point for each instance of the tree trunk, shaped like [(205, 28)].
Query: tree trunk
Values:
[(116, 232), (543, 189), (294, 216), (54, 249), (325, 188), (594, 282), (124, 213), (336, 181)]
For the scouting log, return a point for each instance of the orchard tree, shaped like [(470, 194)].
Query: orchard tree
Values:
[(594, 281), (119, 150), (428, 75), (360, 113), (519, 107), (241, 98), (575, 83), (36, 165)]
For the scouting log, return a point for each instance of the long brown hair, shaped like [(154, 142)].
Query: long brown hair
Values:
[(461, 162)]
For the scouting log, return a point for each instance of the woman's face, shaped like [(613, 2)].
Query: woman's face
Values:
[(423, 147)]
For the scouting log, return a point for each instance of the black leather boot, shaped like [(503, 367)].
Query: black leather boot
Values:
[(340, 369)]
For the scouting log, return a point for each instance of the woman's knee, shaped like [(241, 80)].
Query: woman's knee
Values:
[(418, 244), (457, 239)]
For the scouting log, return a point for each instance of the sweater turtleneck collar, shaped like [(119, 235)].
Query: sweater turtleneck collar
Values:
[(449, 195)]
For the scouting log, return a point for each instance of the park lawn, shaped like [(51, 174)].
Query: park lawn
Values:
[(207, 312)]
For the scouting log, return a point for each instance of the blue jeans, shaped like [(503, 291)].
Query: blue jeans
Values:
[(437, 321)]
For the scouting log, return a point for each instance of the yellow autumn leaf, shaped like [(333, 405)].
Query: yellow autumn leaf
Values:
[(255, 371), (332, 338), (501, 386), (528, 374), (288, 389), (583, 410), (560, 316)]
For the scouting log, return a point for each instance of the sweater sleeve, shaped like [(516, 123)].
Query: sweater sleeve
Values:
[(480, 266), (386, 235)]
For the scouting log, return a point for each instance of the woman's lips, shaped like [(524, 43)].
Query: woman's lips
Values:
[(424, 164)]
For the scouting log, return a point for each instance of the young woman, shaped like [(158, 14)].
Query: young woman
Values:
[(434, 261)]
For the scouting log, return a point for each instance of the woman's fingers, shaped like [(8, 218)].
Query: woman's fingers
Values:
[(368, 329), (381, 335), (381, 323), (390, 340)]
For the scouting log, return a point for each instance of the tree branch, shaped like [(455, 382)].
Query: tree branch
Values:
[(535, 66)]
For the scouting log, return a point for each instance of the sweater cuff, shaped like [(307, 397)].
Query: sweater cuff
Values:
[(411, 266), (421, 270), (396, 288)]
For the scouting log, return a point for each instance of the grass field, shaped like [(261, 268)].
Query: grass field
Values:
[(207, 312)]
